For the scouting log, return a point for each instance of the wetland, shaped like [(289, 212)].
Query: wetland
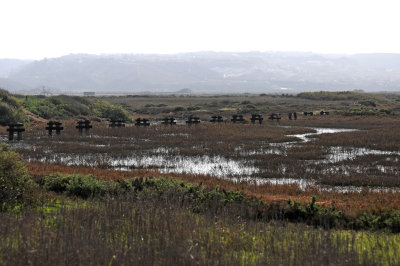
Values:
[(319, 190)]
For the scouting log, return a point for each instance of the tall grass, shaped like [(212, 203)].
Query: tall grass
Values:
[(160, 228)]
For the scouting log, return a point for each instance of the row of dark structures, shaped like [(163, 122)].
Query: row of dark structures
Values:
[(85, 125)]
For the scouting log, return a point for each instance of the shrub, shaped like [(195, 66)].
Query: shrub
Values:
[(110, 111), (61, 106), (10, 109), (75, 185), (14, 179), (367, 103)]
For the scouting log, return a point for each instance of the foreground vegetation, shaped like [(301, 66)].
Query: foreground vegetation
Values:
[(159, 228)]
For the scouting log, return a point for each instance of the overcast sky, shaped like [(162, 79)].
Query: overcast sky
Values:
[(49, 28)]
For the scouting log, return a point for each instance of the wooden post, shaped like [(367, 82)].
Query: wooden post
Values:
[(10, 130), (15, 127), (58, 127), (256, 117)]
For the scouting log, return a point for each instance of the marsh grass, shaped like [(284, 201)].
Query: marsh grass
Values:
[(159, 226), (247, 146), (352, 203)]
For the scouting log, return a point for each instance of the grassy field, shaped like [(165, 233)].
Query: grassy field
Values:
[(320, 190)]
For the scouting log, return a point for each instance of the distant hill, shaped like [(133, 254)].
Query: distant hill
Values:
[(207, 72)]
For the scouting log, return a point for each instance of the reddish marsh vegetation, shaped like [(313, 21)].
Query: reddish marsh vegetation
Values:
[(248, 144), (243, 152)]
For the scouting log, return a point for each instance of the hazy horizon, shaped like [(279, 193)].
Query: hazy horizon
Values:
[(195, 52), (47, 29)]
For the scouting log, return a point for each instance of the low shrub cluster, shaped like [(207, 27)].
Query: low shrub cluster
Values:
[(11, 110), (111, 111), (58, 107), (63, 106), (88, 186), (366, 111), (15, 182), (75, 185), (335, 96)]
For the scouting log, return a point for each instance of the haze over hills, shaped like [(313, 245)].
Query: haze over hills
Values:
[(203, 72), (9, 65)]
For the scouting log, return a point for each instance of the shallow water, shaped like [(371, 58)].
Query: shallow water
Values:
[(217, 166), (338, 154), (306, 136), (168, 160)]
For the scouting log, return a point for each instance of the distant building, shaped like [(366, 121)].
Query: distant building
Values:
[(89, 93)]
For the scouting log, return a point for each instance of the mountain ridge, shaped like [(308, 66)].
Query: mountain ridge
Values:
[(206, 72)]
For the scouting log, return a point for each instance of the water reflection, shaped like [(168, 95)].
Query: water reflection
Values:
[(168, 160)]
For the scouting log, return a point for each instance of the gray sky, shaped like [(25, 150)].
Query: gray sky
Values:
[(51, 28)]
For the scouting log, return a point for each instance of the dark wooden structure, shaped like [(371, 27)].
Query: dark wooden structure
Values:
[(308, 113), (323, 113), (256, 117), (15, 127), (216, 119), (238, 119), (142, 122), (169, 121), (193, 120), (292, 116), (84, 124), (117, 123), (275, 116), (54, 125)]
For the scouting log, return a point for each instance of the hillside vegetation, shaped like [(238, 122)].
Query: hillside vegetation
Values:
[(11, 109), (63, 107)]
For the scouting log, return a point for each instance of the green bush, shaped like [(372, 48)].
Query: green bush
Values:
[(364, 111), (14, 178), (367, 103), (75, 185), (61, 106), (110, 111), (10, 109)]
